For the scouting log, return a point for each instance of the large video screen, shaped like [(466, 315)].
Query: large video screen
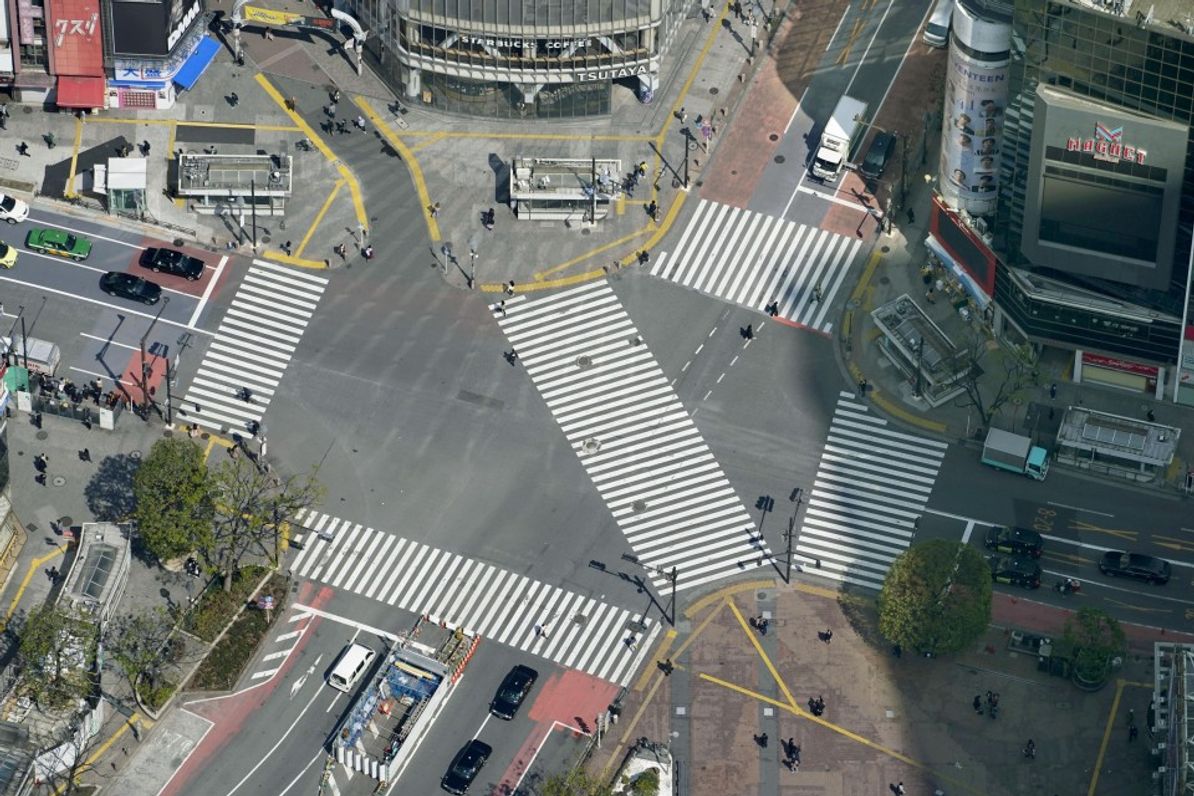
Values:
[(1100, 218)]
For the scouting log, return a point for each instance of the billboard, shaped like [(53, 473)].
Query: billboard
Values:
[(975, 99), (76, 46)]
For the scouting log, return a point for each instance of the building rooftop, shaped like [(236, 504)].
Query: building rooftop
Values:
[(97, 576), (234, 175), (1174, 18), (1123, 437)]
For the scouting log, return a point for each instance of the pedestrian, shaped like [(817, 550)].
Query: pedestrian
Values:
[(1151, 417), (1030, 750), (85, 455), (683, 115), (360, 122), (51, 140), (1132, 733), (897, 788), (330, 110), (246, 394), (817, 293), (341, 250), (335, 95), (145, 148), (502, 307), (862, 386), (653, 210), (642, 168), (1131, 717), (23, 150), (291, 103), (828, 635), (761, 740), (286, 248), (434, 209), (978, 704), (749, 331), (510, 288), (341, 127), (234, 99), (268, 34), (911, 216), (367, 252), (1052, 390), (644, 257)]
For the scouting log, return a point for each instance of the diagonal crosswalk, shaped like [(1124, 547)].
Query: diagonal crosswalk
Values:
[(754, 259), (554, 623), (634, 438), (255, 341), (871, 486)]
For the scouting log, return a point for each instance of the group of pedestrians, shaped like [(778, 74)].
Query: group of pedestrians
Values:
[(992, 704)]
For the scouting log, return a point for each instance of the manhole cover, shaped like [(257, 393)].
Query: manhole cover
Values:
[(883, 280), (135, 455), (639, 506), (584, 362), (714, 90), (66, 520), (773, 137), (27, 109), (734, 171), (58, 480), (590, 445), (265, 239), (853, 303), (780, 158), (42, 434), (586, 231), (179, 242), (885, 249)]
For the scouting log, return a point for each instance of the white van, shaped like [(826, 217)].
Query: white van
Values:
[(937, 31), (353, 662)]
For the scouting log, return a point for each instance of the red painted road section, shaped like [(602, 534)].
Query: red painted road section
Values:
[(1016, 612), (177, 283), (130, 379), (228, 715), (572, 698)]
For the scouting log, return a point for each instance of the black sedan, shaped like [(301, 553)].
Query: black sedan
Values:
[(1015, 571), (1118, 564), (513, 691), (115, 283), (466, 766), (1017, 541), (173, 262)]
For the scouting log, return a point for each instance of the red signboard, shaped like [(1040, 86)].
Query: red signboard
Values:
[(76, 46), (1120, 364), (965, 246)]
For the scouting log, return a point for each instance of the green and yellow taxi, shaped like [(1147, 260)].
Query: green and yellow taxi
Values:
[(8, 255), (58, 242)]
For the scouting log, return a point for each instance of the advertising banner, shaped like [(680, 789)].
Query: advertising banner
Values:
[(76, 46), (975, 99)]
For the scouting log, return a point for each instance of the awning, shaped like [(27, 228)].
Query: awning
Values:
[(80, 92), (968, 283), (195, 66)]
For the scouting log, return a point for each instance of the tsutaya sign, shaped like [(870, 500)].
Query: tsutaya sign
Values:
[(611, 74), (1107, 145)]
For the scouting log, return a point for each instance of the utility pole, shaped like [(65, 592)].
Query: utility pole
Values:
[(144, 364), (253, 208), (920, 350), (687, 138), (672, 576), (184, 341), (593, 186), (797, 497), (472, 268)]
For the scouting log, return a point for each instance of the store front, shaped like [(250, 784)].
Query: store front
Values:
[(76, 54), (1119, 373)]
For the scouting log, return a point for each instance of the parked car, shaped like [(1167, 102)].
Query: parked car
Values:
[(466, 766), (1119, 564), (173, 262), (58, 242), (115, 283), (1017, 541), (1015, 571), (8, 255), (513, 691), (12, 209), (875, 160)]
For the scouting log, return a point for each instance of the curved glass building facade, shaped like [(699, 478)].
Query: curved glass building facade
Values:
[(519, 58)]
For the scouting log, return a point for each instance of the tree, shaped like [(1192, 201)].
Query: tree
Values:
[(936, 597), (574, 783), (995, 373), (1093, 639), (137, 643), (56, 652), (251, 508), (172, 488)]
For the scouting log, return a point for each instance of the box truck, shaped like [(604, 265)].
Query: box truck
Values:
[(1015, 453), (838, 138)]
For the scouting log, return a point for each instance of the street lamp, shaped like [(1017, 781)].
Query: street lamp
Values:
[(671, 575), (144, 365), (472, 268)]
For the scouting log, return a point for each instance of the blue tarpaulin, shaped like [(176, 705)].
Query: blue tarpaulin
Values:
[(194, 67)]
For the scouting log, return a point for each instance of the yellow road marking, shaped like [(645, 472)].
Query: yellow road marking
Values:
[(528, 287), (845, 53), (1173, 543), (1140, 608), (412, 163), (520, 136), (318, 218), (668, 639), (1083, 525), (867, 274), (1098, 765), (721, 595), (34, 565), (754, 640), (297, 262), (593, 253), (99, 751), (714, 30), (432, 139), (74, 159), (346, 174), (283, 128)]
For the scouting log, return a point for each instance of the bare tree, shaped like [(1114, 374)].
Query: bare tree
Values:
[(995, 373), (252, 508), (138, 643)]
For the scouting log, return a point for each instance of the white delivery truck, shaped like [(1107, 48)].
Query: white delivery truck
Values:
[(838, 138)]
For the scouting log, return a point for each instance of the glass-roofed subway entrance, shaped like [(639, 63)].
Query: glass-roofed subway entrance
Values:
[(519, 58)]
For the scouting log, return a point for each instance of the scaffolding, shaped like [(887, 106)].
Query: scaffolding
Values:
[(1171, 719)]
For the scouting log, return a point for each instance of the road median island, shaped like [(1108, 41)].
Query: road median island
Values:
[(242, 633)]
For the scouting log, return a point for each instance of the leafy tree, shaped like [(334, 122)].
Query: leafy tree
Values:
[(995, 374), (1093, 638), (936, 597), (173, 499), (251, 508), (575, 783), (56, 652), (137, 643)]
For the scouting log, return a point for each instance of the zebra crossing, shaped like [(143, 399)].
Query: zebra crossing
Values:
[(872, 484), (554, 623), (251, 348), (634, 438), (754, 259)]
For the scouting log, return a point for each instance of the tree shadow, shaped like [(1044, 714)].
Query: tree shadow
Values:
[(109, 493)]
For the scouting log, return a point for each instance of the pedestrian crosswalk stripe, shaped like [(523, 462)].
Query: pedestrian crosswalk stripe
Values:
[(754, 259), (636, 441), (871, 487), (554, 623), (252, 347)]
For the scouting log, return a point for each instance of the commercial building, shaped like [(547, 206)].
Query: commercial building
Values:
[(155, 48), (1087, 248), (516, 58)]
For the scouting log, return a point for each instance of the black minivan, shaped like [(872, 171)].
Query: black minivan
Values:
[(877, 154)]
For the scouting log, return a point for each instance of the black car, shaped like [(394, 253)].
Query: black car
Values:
[(466, 766), (1015, 570), (173, 262), (875, 160), (115, 283), (513, 691), (1017, 541), (1135, 565)]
